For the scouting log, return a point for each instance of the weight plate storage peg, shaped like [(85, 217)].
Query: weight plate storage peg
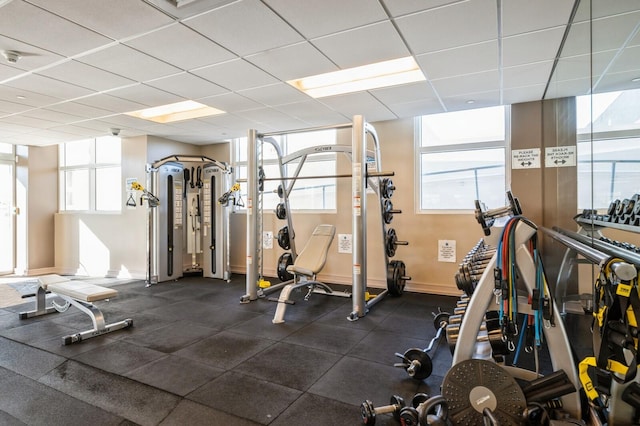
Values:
[(388, 211), (396, 277), (284, 261)]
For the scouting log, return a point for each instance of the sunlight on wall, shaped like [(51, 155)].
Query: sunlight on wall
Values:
[(124, 272), (94, 256)]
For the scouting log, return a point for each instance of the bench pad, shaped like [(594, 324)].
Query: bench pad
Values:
[(45, 280), (82, 291)]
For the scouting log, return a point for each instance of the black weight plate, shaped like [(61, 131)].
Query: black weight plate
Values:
[(284, 261), (475, 384), (283, 238), (426, 366), (281, 211), (386, 188), (395, 282), (390, 245), (441, 317)]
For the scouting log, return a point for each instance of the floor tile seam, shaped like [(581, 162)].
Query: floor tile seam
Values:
[(38, 349), (189, 398)]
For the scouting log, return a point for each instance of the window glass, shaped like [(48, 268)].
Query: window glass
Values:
[(314, 194), (462, 127), (608, 148), (6, 148), (108, 150), (77, 189), (78, 153), (462, 159), (108, 188)]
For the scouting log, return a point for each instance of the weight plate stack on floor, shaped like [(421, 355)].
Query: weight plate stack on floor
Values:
[(475, 384)]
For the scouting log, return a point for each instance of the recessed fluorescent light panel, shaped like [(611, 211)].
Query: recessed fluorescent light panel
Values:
[(175, 112), (366, 77)]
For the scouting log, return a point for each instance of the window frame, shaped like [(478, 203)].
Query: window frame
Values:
[(91, 167), (419, 150), (238, 165)]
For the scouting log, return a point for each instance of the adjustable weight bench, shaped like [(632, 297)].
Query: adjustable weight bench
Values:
[(81, 295), (307, 265)]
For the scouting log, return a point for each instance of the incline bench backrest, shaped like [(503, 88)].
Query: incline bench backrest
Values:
[(314, 255)]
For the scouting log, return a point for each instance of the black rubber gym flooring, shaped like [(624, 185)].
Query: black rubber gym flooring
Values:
[(195, 355)]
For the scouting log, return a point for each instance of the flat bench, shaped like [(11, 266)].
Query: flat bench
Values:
[(81, 295)]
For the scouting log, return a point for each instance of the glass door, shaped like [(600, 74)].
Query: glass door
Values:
[(7, 209)]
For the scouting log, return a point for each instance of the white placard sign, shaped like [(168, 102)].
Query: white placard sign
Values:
[(345, 243), (525, 158), (447, 251), (560, 156), (267, 240)]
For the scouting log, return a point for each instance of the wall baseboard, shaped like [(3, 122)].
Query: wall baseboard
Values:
[(412, 286), (34, 272)]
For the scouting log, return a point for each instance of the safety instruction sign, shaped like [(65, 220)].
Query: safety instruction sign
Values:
[(560, 156), (345, 243), (447, 251), (525, 158)]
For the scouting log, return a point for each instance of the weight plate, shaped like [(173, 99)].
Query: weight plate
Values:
[(283, 238), (387, 211), (284, 261), (440, 318), (418, 399), (390, 242), (425, 366), (398, 401), (475, 384), (387, 188), (396, 272), (409, 417), (281, 211)]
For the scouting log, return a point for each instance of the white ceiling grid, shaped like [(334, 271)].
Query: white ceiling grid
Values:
[(86, 62)]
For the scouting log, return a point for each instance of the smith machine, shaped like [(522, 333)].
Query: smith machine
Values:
[(187, 227), (366, 173)]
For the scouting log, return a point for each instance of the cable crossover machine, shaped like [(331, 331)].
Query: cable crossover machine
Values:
[(366, 174)]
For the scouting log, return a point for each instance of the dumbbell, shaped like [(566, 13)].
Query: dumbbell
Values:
[(486, 218), (369, 412)]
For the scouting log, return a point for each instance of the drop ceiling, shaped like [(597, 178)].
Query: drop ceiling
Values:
[(84, 63)]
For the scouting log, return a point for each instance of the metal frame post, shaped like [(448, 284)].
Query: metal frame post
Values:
[(359, 219), (252, 216)]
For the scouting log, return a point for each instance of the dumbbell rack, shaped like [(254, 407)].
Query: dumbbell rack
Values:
[(483, 298)]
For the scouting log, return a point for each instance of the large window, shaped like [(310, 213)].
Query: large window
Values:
[(461, 159), (90, 175), (608, 127), (307, 194)]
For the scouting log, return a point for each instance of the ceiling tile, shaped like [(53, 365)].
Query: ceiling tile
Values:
[(612, 82), (294, 61), (362, 46), (230, 102), (274, 94), (245, 27), (313, 112), (526, 75), (35, 123), (81, 132), (521, 16), (361, 103), (404, 93), (187, 85), (582, 66), (86, 76), (114, 104), (7, 107), (319, 18), (237, 74), (531, 47), (146, 95), (416, 108), (19, 19), (81, 110), (25, 97), (9, 72), (129, 63), (629, 60), (54, 116), (564, 88), (522, 94), (114, 18), (481, 100), (188, 9), (469, 22), (49, 87), (181, 46), (271, 119), (599, 9), (31, 57), (403, 7), (461, 60), (467, 84), (605, 34)]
